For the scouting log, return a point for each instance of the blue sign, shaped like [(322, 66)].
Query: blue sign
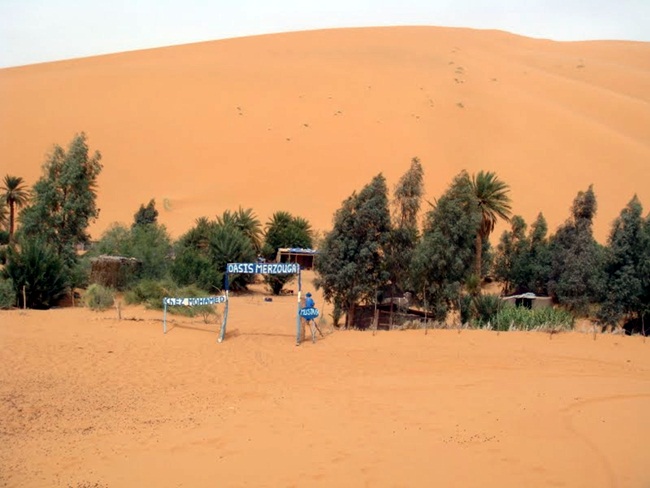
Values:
[(309, 313), (193, 302), (263, 268)]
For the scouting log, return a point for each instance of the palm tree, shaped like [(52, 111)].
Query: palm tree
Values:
[(15, 194), (494, 203), (247, 222), (3, 213)]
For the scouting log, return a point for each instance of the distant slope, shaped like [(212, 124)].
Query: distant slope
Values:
[(298, 121)]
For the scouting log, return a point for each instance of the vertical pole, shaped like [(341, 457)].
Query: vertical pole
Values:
[(426, 319), (298, 315), (165, 315), (222, 333)]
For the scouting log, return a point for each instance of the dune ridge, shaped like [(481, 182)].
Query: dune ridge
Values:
[(298, 121)]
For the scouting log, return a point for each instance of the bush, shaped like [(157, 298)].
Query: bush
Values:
[(40, 270), (486, 308), (205, 311), (80, 273), (98, 297), (466, 309), (522, 318), (7, 294), (4, 237), (275, 283), (150, 244), (151, 293), (3, 255), (192, 267)]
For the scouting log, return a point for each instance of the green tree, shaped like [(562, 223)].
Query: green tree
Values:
[(408, 196), (247, 223), (493, 203), (15, 195), (350, 266), (444, 258), (63, 200), (152, 246), (510, 265), (522, 261), (284, 230), (115, 241), (148, 243), (626, 255), (229, 244), (7, 293), (4, 220), (36, 267), (202, 253), (146, 215), (404, 231), (192, 263), (576, 272), (539, 256)]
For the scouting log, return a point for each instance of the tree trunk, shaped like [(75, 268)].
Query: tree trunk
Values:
[(392, 297), (11, 221), (479, 256), (350, 317)]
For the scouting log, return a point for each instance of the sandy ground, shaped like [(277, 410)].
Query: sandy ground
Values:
[(299, 121), (90, 401)]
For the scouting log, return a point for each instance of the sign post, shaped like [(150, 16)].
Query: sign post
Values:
[(260, 268), (191, 302)]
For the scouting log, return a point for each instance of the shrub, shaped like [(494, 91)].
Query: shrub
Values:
[(466, 309), (40, 270), (4, 237), (275, 283), (98, 297), (522, 318), (486, 308), (205, 311), (151, 292), (7, 294)]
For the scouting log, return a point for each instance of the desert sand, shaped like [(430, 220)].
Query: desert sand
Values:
[(87, 400), (298, 121)]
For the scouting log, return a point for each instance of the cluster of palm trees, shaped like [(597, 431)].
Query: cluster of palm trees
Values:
[(492, 195), (13, 194)]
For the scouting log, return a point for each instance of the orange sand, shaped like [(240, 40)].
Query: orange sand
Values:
[(90, 401), (298, 121)]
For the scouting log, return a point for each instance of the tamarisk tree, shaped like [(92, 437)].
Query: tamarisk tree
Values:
[(63, 199), (444, 258), (350, 267), (627, 267)]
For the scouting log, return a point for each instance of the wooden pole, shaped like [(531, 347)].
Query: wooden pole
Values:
[(426, 322), (375, 318)]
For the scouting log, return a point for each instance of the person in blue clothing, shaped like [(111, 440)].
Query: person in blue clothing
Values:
[(310, 304)]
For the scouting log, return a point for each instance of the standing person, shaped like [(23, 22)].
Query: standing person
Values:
[(310, 316)]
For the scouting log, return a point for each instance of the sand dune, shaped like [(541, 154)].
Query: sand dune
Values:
[(90, 401), (298, 121)]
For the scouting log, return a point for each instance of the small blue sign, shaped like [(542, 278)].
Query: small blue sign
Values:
[(309, 313)]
